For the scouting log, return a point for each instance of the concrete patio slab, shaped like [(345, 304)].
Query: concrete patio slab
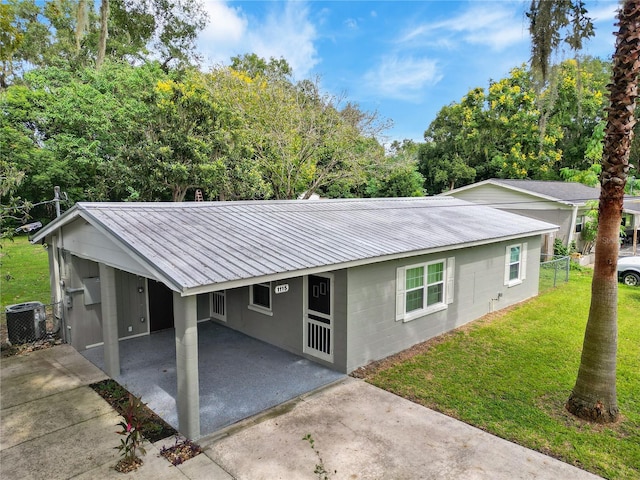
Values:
[(239, 375), (362, 432)]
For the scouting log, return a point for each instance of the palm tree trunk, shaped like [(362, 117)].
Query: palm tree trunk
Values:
[(594, 394)]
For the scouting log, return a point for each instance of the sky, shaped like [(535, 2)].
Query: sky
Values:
[(404, 60)]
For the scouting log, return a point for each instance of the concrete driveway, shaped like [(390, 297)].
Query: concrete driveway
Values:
[(362, 432), (53, 426)]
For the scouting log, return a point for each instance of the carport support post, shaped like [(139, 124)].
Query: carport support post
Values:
[(109, 320), (188, 401)]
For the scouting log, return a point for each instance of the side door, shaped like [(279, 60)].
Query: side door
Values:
[(318, 316)]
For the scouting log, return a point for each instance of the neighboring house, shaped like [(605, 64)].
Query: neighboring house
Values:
[(341, 282), (561, 203)]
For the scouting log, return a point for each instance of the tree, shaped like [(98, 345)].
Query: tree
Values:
[(301, 139), (490, 134), (594, 395), (71, 129), (11, 39), (254, 66), (104, 32), (191, 141), (71, 35), (451, 146), (577, 104), (13, 209)]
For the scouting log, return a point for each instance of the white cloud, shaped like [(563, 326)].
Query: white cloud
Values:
[(402, 78), (490, 24), (285, 32), (224, 33), (288, 34), (604, 13), (351, 23)]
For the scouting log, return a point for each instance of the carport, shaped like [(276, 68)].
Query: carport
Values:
[(239, 375)]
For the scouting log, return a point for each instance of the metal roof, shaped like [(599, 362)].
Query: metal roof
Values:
[(206, 244), (570, 193)]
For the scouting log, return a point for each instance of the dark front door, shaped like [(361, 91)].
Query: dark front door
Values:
[(318, 317), (160, 306)]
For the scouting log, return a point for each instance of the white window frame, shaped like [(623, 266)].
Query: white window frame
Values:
[(522, 267), (579, 223), (448, 268), (261, 308)]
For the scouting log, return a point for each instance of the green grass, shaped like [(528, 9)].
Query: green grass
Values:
[(511, 373), (24, 272)]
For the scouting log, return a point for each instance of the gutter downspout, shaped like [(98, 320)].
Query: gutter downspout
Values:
[(572, 228)]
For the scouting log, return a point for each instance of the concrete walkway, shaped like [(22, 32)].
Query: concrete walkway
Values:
[(54, 426), (362, 432)]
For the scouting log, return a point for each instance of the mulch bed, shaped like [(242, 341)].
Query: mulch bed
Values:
[(126, 465), (154, 428), (181, 451), (8, 350)]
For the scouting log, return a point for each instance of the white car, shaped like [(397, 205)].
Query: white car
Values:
[(629, 270)]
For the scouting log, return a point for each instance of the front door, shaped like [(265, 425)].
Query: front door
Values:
[(318, 316), (160, 306)]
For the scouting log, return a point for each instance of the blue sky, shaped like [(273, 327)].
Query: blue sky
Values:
[(403, 59)]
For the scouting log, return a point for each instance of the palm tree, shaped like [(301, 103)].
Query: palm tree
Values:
[(594, 394)]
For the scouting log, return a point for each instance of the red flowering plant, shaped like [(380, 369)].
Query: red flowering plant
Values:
[(131, 444)]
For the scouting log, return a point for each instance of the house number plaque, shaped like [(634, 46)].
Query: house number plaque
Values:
[(282, 288)]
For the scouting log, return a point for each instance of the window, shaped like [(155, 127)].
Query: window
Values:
[(515, 268), (424, 288), (219, 305), (579, 223), (260, 298)]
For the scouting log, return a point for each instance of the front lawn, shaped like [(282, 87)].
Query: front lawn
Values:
[(25, 272), (510, 374)]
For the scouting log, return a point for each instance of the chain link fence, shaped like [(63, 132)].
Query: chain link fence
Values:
[(554, 271), (29, 323)]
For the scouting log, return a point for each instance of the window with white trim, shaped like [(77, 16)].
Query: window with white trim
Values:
[(260, 298), (515, 264), (579, 223), (424, 288)]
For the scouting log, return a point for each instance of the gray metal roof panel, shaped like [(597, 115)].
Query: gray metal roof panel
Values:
[(565, 191), (205, 243), (571, 192)]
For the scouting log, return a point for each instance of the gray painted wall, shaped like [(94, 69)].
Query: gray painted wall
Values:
[(524, 204), (85, 321), (373, 333), (132, 304), (285, 327), (85, 241)]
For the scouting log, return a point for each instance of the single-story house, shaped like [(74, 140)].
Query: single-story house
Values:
[(340, 282), (561, 203)]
